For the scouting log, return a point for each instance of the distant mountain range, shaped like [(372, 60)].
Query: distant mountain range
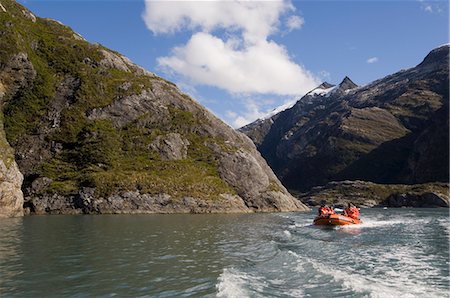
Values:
[(393, 130)]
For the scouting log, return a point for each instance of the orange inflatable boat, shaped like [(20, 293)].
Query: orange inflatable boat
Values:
[(335, 220)]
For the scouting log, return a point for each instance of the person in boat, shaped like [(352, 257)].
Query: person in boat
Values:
[(351, 211), (325, 210), (322, 210), (332, 210)]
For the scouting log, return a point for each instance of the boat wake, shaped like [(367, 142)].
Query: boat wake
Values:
[(377, 223), (388, 283), (231, 283)]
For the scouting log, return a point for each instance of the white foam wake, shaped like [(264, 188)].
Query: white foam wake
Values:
[(375, 223), (231, 284), (393, 283)]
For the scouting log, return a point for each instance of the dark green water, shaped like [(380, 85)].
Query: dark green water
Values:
[(394, 253)]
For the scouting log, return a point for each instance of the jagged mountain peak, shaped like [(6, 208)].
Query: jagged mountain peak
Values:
[(325, 85), (347, 84)]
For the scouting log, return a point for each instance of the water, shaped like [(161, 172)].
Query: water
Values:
[(394, 253)]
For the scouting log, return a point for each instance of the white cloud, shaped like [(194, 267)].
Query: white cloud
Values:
[(244, 60), (428, 8), (258, 68), (257, 19), (294, 22), (372, 60)]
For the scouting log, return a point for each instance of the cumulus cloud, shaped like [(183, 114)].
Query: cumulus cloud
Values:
[(261, 68), (244, 60), (257, 19), (372, 60)]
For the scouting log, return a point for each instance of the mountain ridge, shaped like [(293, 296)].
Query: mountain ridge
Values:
[(339, 135)]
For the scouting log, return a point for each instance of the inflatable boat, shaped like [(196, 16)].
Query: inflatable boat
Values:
[(335, 220)]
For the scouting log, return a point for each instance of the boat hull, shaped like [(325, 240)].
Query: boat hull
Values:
[(335, 220)]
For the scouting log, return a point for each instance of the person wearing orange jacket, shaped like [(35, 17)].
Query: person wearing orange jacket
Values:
[(331, 210), (351, 211), (322, 210), (325, 210)]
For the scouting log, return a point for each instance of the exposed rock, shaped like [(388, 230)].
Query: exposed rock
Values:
[(125, 86), (127, 109), (425, 200), (64, 96), (236, 168), (137, 69), (325, 85), (131, 203), (368, 194), (345, 85), (111, 60), (170, 147), (2, 90), (29, 15), (40, 184), (18, 73), (11, 197), (77, 36)]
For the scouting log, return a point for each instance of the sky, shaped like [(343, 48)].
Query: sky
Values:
[(242, 59)]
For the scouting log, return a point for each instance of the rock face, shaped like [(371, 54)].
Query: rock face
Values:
[(368, 194), (424, 200), (94, 133), (394, 130), (11, 196)]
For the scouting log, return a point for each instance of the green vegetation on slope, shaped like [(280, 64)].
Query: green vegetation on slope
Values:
[(94, 153)]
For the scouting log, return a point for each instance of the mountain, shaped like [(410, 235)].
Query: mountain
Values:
[(393, 130), (91, 132)]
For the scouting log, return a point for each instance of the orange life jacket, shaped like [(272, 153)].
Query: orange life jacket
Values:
[(352, 212), (322, 211)]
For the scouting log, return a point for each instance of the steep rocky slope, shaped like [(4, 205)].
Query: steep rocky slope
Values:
[(394, 130), (94, 133)]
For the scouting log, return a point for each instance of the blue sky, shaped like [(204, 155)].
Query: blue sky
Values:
[(242, 59)]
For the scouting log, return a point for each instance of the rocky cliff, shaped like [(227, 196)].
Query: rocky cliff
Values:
[(11, 196), (394, 130), (94, 133)]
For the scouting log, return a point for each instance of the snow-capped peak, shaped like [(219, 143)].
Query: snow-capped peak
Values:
[(280, 109), (324, 89)]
